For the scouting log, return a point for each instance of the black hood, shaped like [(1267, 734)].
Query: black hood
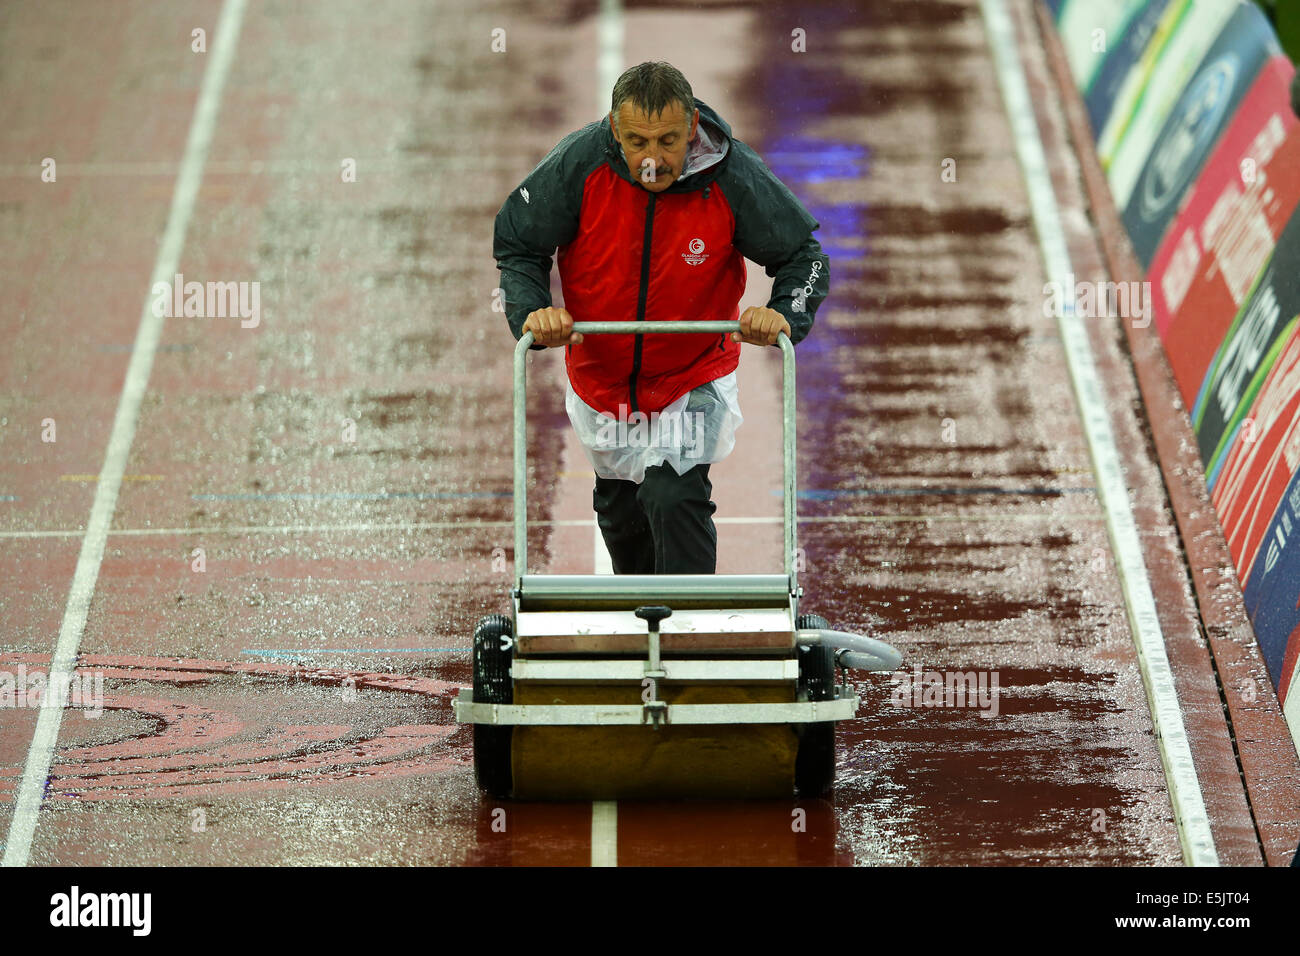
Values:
[(719, 130)]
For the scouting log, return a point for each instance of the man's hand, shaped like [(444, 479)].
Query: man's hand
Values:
[(760, 326), (552, 327)]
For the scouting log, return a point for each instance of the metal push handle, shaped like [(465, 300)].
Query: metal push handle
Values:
[(651, 328)]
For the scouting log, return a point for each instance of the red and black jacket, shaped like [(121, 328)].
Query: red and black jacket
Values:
[(626, 253)]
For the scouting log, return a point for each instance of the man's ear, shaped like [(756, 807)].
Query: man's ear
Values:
[(695, 122), (612, 128)]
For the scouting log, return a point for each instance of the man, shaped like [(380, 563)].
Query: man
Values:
[(653, 210)]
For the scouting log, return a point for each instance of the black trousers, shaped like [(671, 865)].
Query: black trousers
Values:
[(662, 526)]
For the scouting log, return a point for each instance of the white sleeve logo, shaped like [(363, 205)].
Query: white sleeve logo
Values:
[(800, 296), (523, 192)]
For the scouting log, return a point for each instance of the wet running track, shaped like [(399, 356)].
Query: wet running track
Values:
[(308, 514)]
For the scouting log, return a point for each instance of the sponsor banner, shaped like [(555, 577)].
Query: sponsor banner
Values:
[(1088, 28), (1272, 593), (1184, 35), (1260, 456), (1126, 49), (1253, 343), (1202, 112), (1227, 228)]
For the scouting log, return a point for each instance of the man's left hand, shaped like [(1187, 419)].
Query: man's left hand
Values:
[(760, 326)]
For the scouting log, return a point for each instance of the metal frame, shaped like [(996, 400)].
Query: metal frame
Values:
[(634, 671), (537, 594), (844, 706), (627, 591), (652, 328)]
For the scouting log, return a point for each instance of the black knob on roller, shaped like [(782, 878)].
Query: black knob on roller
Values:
[(653, 614)]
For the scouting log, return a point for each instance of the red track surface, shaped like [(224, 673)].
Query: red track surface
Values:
[(297, 691)]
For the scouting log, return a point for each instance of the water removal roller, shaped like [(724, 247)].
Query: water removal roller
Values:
[(618, 686)]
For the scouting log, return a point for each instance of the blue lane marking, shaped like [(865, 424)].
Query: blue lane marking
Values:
[(826, 494), (344, 496)]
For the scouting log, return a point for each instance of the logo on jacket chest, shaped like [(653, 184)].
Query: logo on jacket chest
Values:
[(696, 253)]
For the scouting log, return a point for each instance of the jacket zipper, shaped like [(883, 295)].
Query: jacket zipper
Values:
[(641, 296)]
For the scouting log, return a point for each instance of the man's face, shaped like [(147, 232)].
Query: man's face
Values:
[(655, 146)]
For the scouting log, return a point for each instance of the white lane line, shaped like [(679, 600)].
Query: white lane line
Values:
[(22, 826), (609, 64), (604, 833), (1166, 714)]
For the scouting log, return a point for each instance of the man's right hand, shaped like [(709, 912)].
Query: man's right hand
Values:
[(552, 327)]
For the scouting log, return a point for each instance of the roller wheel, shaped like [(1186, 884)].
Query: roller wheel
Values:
[(814, 764), (492, 685)]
